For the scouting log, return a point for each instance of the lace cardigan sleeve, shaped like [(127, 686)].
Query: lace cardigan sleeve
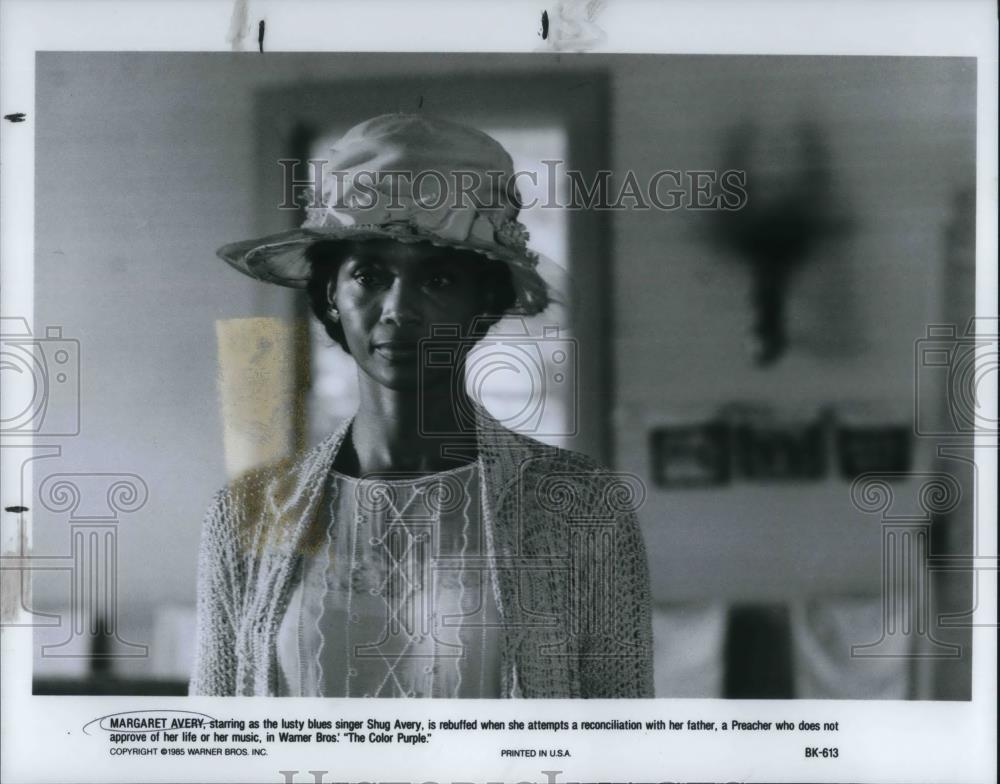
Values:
[(617, 660), (218, 597)]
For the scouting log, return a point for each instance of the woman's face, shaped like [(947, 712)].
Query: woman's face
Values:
[(390, 295)]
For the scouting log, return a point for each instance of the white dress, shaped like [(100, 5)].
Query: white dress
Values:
[(399, 601)]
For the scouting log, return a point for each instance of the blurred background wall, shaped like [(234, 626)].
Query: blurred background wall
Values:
[(147, 163)]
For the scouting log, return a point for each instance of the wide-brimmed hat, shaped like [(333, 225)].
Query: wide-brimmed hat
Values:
[(410, 178)]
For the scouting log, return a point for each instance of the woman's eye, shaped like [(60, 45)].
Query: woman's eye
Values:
[(440, 281), (367, 278)]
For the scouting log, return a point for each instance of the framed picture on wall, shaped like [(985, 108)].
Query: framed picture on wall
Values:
[(697, 455)]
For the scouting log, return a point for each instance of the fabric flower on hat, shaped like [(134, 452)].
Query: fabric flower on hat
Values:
[(513, 235)]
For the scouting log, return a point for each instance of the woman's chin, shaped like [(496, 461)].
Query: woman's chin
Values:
[(405, 373), (397, 377)]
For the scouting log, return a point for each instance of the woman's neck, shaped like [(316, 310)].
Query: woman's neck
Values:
[(409, 432)]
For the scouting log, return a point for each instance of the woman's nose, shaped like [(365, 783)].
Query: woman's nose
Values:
[(399, 305)]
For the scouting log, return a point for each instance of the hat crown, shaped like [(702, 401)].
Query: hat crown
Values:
[(416, 170), (425, 155), (425, 139)]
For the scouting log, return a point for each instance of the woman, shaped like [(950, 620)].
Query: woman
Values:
[(422, 549)]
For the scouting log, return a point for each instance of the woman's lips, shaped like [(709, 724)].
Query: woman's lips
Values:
[(393, 350)]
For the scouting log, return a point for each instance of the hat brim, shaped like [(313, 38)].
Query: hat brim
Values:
[(281, 258)]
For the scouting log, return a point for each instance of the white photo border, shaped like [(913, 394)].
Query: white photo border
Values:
[(881, 741)]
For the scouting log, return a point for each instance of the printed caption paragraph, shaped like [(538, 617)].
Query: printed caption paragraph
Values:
[(185, 733)]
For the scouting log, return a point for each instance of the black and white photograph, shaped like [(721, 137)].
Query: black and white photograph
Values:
[(702, 379), (485, 379)]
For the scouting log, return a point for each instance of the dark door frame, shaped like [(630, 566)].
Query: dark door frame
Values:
[(290, 118)]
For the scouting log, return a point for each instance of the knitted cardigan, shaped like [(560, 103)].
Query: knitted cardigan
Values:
[(566, 557)]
